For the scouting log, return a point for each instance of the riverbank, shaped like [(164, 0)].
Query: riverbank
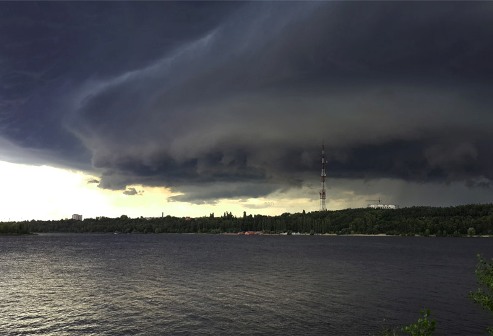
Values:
[(460, 221)]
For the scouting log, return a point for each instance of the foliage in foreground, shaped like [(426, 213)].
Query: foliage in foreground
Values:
[(423, 327), (484, 294)]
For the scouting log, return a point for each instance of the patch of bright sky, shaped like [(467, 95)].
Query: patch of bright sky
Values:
[(48, 193), (42, 192)]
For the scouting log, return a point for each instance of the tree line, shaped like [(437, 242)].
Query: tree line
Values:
[(14, 228), (475, 219)]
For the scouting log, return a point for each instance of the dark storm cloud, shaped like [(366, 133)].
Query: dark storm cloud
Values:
[(211, 192), (233, 99)]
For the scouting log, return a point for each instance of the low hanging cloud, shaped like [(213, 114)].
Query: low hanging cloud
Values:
[(237, 106), (132, 192)]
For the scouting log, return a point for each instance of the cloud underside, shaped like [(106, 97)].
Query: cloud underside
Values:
[(130, 191), (241, 108), (367, 135)]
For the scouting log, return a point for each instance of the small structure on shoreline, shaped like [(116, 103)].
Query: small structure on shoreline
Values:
[(380, 205)]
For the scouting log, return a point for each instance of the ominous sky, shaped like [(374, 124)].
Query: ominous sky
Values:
[(232, 100)]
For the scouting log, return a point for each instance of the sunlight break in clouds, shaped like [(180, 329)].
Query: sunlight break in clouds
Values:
[(42, 192)]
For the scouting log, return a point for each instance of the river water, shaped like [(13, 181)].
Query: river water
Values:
[(172, 284)]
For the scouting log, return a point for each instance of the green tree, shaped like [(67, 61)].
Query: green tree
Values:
[(484, 294), (423, 327)]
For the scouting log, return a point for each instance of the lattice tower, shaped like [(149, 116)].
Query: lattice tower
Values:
[(323, 175)]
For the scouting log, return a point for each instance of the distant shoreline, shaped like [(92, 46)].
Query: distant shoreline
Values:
[(240, 234), (474, 220), (350, 235)]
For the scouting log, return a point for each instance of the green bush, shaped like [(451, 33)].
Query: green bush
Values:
[(484, 294), (423, 327)]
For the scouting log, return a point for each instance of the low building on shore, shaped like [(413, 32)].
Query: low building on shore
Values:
[(77, 217)]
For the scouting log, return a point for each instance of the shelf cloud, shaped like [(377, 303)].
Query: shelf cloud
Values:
[(233, 100)]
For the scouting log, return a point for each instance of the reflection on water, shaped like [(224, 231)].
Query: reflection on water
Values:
[(229, 285)]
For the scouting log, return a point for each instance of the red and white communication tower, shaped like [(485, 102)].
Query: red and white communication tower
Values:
[(322, 180)]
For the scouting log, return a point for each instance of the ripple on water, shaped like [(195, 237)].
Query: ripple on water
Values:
[(227, 285)]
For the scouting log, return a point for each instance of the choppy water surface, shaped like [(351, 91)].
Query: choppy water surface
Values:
[(85, 284)]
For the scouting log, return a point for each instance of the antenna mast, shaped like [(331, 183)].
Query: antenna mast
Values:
[(322, 180)]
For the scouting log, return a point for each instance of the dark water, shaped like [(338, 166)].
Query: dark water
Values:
[(236, 285)]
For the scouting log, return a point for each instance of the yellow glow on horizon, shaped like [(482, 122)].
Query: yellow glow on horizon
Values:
[(47, 193), (42, 192)]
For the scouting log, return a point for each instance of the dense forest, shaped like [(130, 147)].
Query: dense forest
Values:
[(424, 221), (14, 228)]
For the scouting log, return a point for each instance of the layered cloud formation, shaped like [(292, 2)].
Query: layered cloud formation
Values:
[(231, 100)]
